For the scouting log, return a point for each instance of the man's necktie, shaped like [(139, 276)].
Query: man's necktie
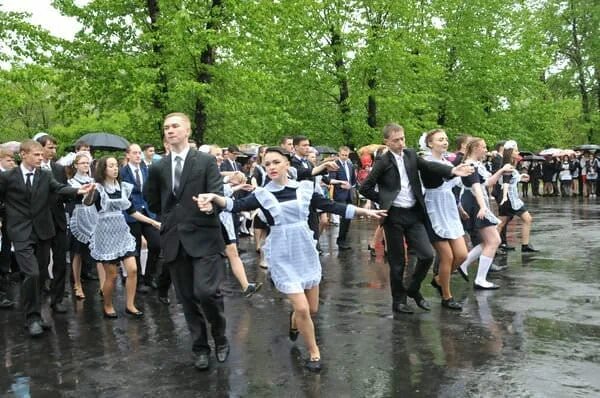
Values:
[(177, 175), (138, 180), (28, 184), (233, 165)]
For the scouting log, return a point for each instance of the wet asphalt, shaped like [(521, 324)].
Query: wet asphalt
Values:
[(538, 336)]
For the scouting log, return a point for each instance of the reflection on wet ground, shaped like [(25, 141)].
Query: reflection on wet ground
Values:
[(539, 336)]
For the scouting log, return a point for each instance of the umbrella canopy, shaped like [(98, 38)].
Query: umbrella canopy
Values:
[(325, 149), (13, 146), (105, 141), (533, 157), (587, 147), (550, 152)]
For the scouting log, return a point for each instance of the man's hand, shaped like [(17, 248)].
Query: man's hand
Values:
[(345, 185), (204, 202), (463, 170), (330, 166), (87, 189)]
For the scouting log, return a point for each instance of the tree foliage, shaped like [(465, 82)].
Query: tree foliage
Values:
[(336, 71)]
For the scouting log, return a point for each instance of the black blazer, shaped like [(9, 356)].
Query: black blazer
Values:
[(340, 194), (58, 203), (386, 177), (26, 215), (226, 165), (182, 222)]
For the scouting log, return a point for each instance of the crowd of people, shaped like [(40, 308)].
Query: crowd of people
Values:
[(190, 206)]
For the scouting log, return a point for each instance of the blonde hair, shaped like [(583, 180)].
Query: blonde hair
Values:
[(472, 143)]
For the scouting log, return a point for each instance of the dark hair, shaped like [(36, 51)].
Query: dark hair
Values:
[(299, 138), (146, 146), (389, 128), (284, 139), (460, 140), (499, 144), (45, 139), (507, 156), (79, 144), (471, 144), (101, 169), (280, 151)]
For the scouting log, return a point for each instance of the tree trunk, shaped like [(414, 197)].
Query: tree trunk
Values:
[(204, 76), (159, 94), (342, 79), (372, 102)]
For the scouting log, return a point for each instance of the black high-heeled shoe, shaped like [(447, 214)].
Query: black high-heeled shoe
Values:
[(437, 286), (372, 250), (136, 314), (293, 333), (110, 315), (313, 364)]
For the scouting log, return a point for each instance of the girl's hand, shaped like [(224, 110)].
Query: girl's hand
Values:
[(481, 213)]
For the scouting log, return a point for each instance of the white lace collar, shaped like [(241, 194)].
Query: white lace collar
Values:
[(272, 186)]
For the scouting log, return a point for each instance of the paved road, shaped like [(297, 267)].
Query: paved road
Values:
[(539, 336)]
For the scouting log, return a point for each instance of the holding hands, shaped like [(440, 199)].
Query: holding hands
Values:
[(463, 170)]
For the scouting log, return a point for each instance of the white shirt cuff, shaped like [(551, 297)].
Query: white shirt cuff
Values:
[(228, 204), (350, 211)]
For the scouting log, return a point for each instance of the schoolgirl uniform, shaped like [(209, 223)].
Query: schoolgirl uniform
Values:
[(469, 203), (514, 206)]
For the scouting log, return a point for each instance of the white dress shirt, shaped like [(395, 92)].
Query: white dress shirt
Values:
[(134, 168), (25, 171), (406, 197), (46, 165), (182, 155)]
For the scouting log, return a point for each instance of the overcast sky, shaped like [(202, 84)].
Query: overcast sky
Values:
[(42, 13)]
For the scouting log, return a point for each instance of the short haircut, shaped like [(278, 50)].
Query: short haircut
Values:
[(45, 139), (181, 115), (344, 148), (499, 145), (79, 144), (284, 139), (390, 128), (30, 145), (147, 146), (299, 138), (129, 147), (4, 153)]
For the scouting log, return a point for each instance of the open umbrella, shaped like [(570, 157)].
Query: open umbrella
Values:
[(587, 147), (550, 152), (533, 157), (106, 141), (325, 149)]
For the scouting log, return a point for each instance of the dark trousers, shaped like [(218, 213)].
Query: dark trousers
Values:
[(344, 228), (197, 284), (152, 236), (5, 255), (163, 280), (59, 266), (313, 222), (33, 257), (401, 224)]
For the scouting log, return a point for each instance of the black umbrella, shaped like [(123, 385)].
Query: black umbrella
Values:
[(106, 141), (587, 147), (325, 149)]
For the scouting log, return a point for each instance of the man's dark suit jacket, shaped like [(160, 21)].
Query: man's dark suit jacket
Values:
[(58, 203), (226, 165), (137, 198), (386, 177), (340, 194), (182, 222), (24, 215)]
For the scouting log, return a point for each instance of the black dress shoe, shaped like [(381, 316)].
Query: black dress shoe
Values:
[(451, 304), (59, 308), (293, 333), (313, 365), (528, 249), (110, 315), (402, 308), (344, 246), (251, 289), (5, 303), (89, 277), (491, 287), (222, 352), (35, 329), (463, 274), (506, 247), (201, 362), (45, 325), (164, 299), (136, 314), (436, 286), (420, 301), (372, 251)]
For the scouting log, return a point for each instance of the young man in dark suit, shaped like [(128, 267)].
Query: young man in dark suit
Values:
[(230, 162), (59, 242), (136, 173), (342, 192), (191, 241), (396, 176), (7, 162), (26, 191)]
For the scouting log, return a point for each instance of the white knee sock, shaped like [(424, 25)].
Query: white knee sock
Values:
[(485, 263), (472, 256)]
